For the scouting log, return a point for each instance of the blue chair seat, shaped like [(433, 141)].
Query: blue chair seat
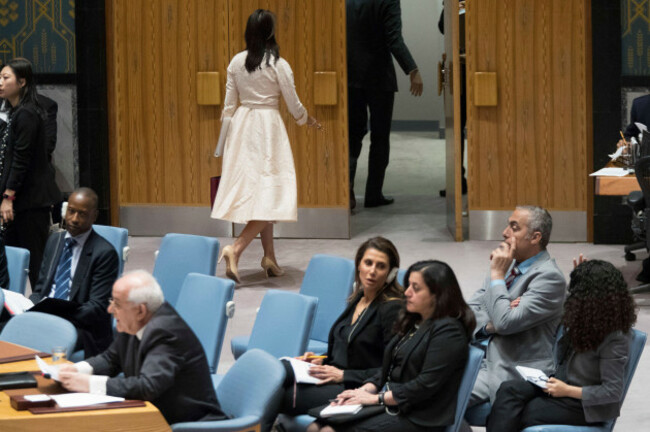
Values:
[(238, 345), (317, 347)]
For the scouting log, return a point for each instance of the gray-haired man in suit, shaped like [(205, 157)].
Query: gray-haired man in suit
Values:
[(519, 307)]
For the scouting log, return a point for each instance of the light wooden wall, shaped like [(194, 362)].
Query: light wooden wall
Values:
[(534, 145), (162, 141)]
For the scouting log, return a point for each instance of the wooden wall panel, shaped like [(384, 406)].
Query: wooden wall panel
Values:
[(531, 147), (161, 139)]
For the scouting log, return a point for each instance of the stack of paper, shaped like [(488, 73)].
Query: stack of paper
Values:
[(533, 375), (70, 400), (16, 303), (336, 410), (301, 371)]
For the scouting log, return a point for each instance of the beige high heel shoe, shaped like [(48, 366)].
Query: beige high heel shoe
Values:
[(271, 268), (231, 263)]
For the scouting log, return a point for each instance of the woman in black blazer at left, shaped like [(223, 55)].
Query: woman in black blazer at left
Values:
[(423, 364), (26, 175), (357, 339)]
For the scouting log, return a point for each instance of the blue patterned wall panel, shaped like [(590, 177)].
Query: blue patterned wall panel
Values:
[(42, 31), (635, 37)]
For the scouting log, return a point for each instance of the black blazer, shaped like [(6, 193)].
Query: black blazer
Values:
[(427, 388), (374, 32), (51, 109), (92, 283), (28, 170), (640, 113), (366, 348), (167, 367)]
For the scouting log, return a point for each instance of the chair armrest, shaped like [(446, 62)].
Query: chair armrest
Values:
[(241, 424), (125, 253)]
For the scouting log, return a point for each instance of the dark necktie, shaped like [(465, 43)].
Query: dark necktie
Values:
[(64, 271), (511, 277)]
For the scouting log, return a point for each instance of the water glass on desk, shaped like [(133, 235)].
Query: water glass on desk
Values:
[(58, 355)]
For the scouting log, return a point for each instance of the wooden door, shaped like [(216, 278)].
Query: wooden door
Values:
[(531, 142), (453, 155), (162, 140)]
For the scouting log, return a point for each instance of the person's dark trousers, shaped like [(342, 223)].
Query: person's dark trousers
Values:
[(520, 404), (29, 230), (380, 105)]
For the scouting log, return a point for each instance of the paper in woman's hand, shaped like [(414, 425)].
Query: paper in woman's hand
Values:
[(533, 375), (225, 127)]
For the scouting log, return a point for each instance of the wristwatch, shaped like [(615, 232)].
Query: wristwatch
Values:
[(381, 398), (9, 197)]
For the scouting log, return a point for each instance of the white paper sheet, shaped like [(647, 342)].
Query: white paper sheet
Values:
[(334, 410), (533, 375), (37, 398), (301, 371), (51, 370), (16, 303), (612, 172), (69, 400)]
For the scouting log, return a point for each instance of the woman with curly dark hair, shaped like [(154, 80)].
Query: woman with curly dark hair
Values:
[(591, 355)]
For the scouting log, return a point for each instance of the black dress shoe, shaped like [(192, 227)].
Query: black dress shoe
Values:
[(384, 200), (443, 192)]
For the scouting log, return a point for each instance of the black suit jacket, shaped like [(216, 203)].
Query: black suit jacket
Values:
[(27, 168), (374, 32), (427, 388), (92, 283), (641, 114), (167, 367), (51, 109), (366, 347)]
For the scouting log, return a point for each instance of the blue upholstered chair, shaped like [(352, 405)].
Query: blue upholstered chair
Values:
[(300, 423), (119, 238), (400, 278), (329, 279), (636, 348), (283, 324), (181, 254), (250, 393), (40, 331), (18, 268), (205, 303)]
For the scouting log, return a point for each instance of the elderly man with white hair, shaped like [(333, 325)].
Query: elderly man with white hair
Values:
[(160, 356)]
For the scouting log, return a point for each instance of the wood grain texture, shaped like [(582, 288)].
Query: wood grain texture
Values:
[(325, 88), (208, 88), (162, 140), (485, 89), (533, 147)]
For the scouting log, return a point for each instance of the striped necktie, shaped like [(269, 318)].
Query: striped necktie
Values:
[(512, 276), (64, 271)]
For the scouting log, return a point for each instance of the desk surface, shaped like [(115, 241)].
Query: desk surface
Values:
[(144, 419), (616, 185)]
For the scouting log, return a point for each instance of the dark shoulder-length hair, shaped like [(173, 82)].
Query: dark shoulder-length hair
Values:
[(392, 290), (598, 303), (441, 282), (22, 69), (260, 39)]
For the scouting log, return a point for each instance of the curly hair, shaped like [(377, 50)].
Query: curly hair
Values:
[(441, 282), (392, 290), (598, 303)]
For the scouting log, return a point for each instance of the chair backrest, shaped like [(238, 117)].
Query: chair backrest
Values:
[(283, 323), (18, 268), (119, 238), (400, 278), (202, 304), (466, 386), (40, 331), (253, 387), (181, 254), (329, 279)]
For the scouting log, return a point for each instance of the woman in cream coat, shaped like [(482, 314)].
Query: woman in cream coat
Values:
[(258, 182)]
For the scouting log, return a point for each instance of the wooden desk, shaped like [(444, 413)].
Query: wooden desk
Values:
[(144, 419), (616, 185)]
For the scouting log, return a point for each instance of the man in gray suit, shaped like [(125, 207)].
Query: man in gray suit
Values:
[(519, 307)]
